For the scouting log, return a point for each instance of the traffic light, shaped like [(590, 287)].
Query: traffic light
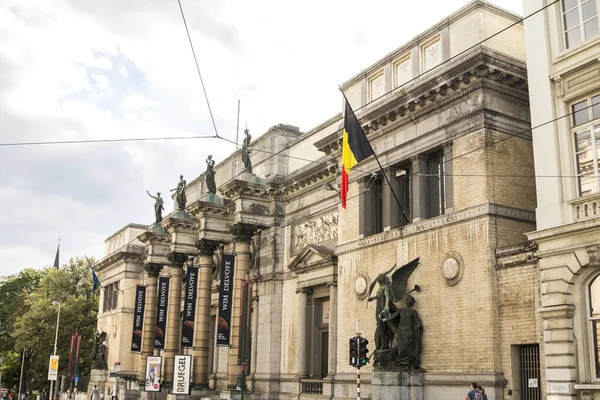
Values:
[(353, 352), (363, 352)]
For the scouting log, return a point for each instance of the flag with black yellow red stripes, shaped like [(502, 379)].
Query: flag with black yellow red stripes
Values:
[(355, 148)]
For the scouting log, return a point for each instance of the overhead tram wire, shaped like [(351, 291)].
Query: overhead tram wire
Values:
[(187, 31), (86, 141), (335, 120)]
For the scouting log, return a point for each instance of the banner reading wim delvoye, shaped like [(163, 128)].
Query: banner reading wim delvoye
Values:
[(225, 300), (138, 318), (162, 306), (189, 307)]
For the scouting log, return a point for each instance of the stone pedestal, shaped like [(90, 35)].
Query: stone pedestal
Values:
[(98, 378), (394, 385)]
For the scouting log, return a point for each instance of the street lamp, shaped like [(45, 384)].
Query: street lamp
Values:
[(55, 303)]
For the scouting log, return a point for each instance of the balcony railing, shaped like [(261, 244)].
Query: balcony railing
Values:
[(312, 386), (586, 208)]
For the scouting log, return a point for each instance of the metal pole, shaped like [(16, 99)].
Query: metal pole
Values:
[(358, 359), (357, 383), (237, 132), (21, 376), (54, 353)]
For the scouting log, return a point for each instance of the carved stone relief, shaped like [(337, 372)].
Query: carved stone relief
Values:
[(322, 229)]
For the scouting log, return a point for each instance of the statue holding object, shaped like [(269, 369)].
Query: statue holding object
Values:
[(180, 198), (158, 206), (246, 151), (209, 177), (399, 330)]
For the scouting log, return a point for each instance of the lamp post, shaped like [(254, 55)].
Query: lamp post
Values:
[(55, 303)]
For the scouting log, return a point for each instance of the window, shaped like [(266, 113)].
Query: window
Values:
[(436, 203), (594, 320), (580, 21), (404, 193), (111, 296), (586, 122), (373, 210)]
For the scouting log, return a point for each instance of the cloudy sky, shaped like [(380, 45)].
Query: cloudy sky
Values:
[(89, 69)]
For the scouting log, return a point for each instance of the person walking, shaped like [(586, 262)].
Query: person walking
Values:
[(471, 393), (95, 393)]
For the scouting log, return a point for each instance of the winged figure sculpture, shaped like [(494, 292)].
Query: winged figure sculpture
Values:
[(391, 290)]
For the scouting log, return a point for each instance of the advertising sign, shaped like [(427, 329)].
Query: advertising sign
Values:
[(153, 372), (138, 318), (189, 307), (162, 305), (53, 368), (225, 300), (183, 368)]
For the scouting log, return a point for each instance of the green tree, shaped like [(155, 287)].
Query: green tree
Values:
[(70, 286), (14, 290)]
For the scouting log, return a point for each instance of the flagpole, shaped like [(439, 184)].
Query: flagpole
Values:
[(380, 167)]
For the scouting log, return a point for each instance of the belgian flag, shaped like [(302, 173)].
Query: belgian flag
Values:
[(355, 148)]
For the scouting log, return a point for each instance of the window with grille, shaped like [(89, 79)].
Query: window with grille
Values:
[(580, 21), (586, 129)]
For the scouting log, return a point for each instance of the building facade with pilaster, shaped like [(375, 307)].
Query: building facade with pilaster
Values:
[(449, 120), (564, 86)]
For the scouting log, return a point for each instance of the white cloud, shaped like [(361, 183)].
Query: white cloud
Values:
[(136, 101)]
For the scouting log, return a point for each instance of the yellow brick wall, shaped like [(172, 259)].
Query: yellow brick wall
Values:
[(468, 164), (446, 311)]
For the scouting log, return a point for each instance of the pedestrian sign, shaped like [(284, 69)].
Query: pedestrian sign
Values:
[(76, 379)]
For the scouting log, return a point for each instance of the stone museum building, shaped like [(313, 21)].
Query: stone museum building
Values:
[(449, 120)]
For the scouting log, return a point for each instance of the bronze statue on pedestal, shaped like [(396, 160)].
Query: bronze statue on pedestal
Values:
[(399, 330)]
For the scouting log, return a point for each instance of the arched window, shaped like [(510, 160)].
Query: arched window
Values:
[(594, 318)]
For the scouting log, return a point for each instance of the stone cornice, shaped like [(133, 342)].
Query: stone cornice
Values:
[(483, 69), (198, 207), (483, 210), (243, 188), (149, 236), (129, 253), (306, 178)]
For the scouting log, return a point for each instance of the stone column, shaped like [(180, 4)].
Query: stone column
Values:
[(152, 271), (301, 340), (448, 177), (216, 351), (333, 339), (419, 187), (173, 337), (242, 233), (254, 329), (202, 326)]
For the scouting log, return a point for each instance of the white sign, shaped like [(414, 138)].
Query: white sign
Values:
[(183, 367), (533, 383), (153, 372), (117, 366), (557, 387), (53, 368)]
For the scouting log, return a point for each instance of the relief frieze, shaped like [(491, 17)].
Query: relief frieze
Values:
[(319, 230)]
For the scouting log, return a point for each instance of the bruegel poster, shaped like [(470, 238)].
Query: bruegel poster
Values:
[(225, 300), (138, 318), (189, 307), (153, 371), (162, 305), (183, 367)]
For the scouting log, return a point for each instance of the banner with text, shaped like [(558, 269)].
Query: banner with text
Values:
[(138, 318), (183, 367), (162, 305), (53, 368), (153, 371), (189, 307), (225, 300)]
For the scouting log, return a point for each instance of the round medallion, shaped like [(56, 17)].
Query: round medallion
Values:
[(361, 285), (452, 268)]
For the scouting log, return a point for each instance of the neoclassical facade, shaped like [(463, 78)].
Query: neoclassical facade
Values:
[(450, 125), (564, 79)]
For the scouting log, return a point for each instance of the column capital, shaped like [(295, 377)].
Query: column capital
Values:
[(447, 145), (243, 232), (153, 269), (177, 259), (418, 157), (304, 290), (206, 247), (330, 284)]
